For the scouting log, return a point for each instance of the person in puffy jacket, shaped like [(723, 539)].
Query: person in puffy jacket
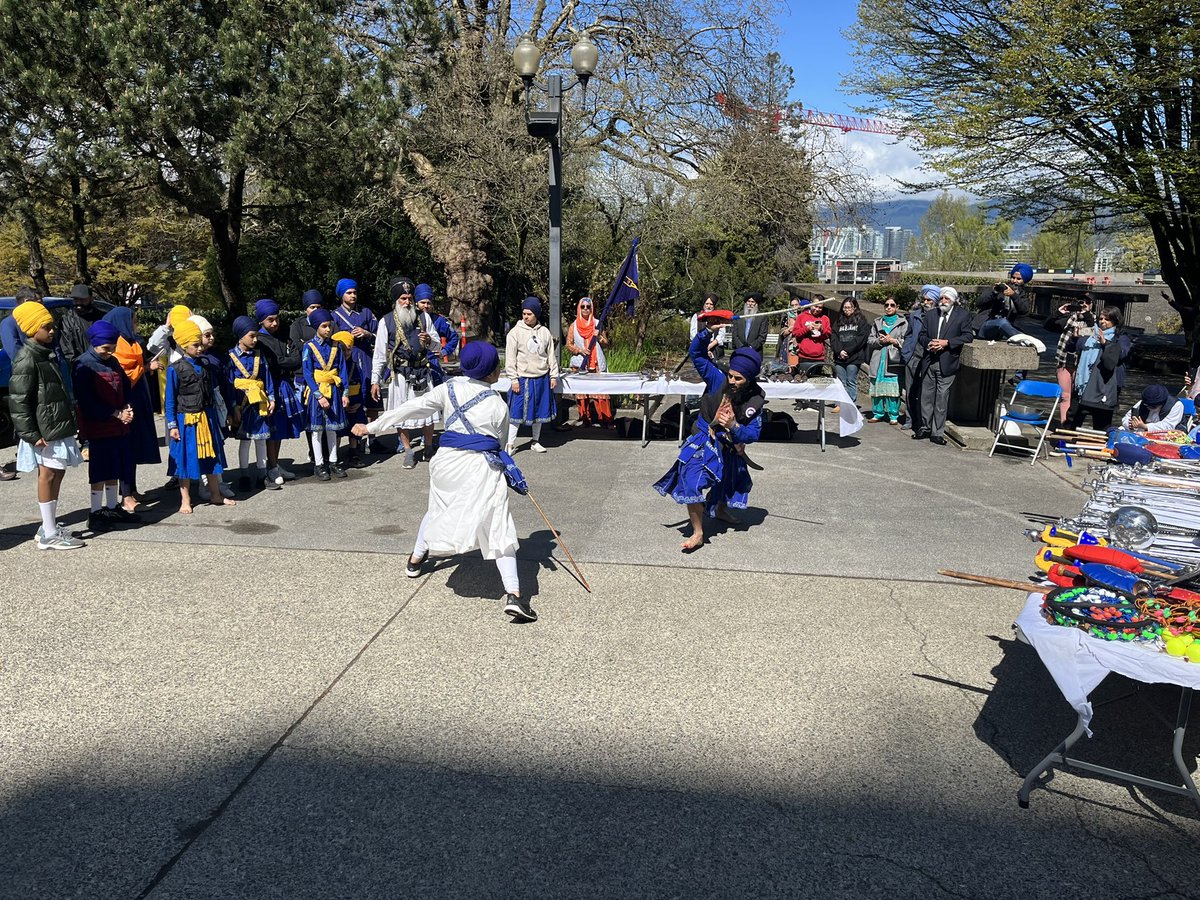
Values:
[(43, 416)]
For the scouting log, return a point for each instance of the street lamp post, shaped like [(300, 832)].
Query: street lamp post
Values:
[(546, 123)]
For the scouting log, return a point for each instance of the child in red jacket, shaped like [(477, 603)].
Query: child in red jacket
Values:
[(811, 331)]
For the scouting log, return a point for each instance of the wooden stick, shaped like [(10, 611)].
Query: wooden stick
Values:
[(998, 582), (561, 542)]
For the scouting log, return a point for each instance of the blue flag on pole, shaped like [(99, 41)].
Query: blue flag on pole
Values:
[(625, 290)]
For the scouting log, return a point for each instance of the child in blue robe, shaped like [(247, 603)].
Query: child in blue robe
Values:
[(326, 379), (252, 394), (189, 408)]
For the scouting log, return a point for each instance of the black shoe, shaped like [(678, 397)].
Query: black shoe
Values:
[(413, 570), (99, 521), (338, 471), (940, 441), (519, 609), (322, 473), (121, 516), (920, 435), (245, 485), (356, 462)]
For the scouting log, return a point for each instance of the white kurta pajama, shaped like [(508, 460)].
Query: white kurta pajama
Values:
[(468, 499), (396, 391)]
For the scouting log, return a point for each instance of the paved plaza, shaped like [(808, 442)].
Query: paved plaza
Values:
[(255, 702)]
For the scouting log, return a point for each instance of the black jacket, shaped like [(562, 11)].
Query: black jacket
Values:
[(73, 326), (852, 337), (957, 331), (38, 401), (758, 333), (1001, 306)]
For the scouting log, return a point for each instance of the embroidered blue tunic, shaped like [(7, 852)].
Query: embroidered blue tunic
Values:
[(709, 469), (253, 424), (331, 359)]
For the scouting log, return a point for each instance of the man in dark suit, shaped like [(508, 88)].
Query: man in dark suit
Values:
[(750, 332), (945, 330)]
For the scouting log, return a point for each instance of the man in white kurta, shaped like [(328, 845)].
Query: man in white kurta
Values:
[(400, 326), (468, 493)]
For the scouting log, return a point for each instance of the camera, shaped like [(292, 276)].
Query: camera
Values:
[(1000, 287)]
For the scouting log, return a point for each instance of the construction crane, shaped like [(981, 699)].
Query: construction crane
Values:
[(736, 109)]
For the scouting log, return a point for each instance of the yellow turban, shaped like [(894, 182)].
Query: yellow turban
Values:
[(31, 316), (345, 338), (178, 314), (187, 332)]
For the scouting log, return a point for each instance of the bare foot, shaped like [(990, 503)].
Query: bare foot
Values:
[(223, 501), (185, 510), (692, 543)]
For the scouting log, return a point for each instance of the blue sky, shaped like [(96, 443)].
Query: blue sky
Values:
[(811, 42)]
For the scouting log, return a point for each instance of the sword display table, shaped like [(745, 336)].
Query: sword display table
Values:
[(1078, 663)]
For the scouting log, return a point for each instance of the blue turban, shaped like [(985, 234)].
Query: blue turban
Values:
[(479, 359), (747, 361), (311, 296), (1155, 395), (931, 292), (264, 308), (121, 318), (1025, 269), (424, 292), (534, 305), (102, 333), (345, 284), (318, 316), (243, 325)]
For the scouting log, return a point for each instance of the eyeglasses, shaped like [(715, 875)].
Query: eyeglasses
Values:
[(585, 306), (889, 306)]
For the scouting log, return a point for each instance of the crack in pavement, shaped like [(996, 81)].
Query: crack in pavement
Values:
[(192, 833)]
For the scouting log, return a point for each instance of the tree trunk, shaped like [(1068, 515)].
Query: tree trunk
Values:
[(83, 274), (32, 230), (461, 250), (227, 241), (1181, 273)]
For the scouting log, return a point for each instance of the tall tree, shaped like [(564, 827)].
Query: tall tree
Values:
[(1051, 105), (233, 107), (470, 171), (956, 236)]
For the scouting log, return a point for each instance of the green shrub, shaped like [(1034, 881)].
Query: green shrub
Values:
[(1172, 323)]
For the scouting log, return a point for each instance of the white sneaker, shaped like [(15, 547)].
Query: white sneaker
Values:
[(537, 448), (60, 540)]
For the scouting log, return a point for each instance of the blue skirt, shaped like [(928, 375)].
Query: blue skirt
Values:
[(111, 459), (317, 419), (287, 421), (707, 472), (253, 425), (184, 463), (535, 403)]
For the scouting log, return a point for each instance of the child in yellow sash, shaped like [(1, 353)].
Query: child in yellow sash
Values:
[(323, 363), (246, 371)]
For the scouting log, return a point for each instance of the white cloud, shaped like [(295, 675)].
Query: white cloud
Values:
[(885, 161)]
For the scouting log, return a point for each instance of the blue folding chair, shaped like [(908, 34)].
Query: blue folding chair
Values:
[(1034, 390), (1189, 414)]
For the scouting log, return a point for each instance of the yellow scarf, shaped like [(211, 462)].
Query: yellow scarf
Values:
[(325, 377), (250, 384), (204, 441)]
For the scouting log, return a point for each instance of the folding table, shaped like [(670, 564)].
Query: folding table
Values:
[(1078, 663)]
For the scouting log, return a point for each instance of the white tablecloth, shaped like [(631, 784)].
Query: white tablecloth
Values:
[(849, 418), (1078, 662)]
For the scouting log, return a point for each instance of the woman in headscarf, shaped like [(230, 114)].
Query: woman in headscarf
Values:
[(711, 474), (131, 354), (1100, 372), (887, 337), (587, 355)]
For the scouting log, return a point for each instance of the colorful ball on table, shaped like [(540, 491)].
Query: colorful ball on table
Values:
[(1193, 652), (1175, 647)]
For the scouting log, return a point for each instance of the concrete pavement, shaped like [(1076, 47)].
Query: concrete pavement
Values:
[(256, 703)]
